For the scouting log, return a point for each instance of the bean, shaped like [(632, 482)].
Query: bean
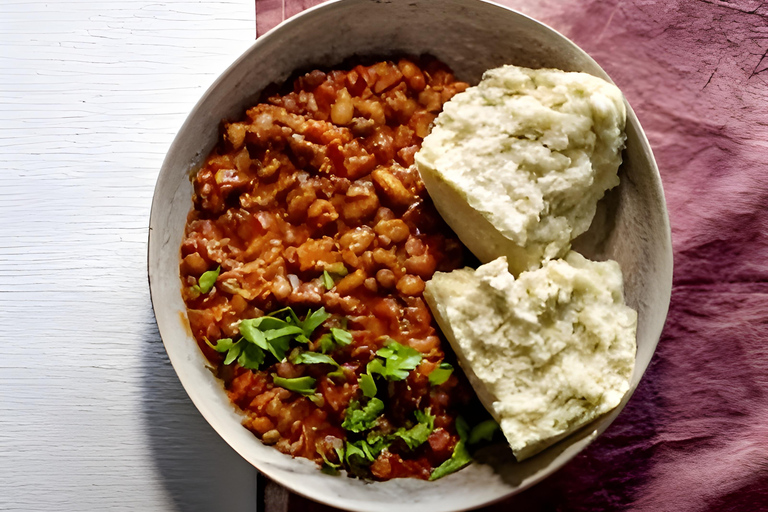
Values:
[(410, 285), (343, 109)]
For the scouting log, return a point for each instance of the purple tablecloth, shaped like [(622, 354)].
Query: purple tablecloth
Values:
[(694, 436)]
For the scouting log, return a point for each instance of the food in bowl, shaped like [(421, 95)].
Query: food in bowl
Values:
[(517, 164), (304, 261), (547, 352), (312, 237)]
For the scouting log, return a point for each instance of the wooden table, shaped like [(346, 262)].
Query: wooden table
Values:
[(92, 416)]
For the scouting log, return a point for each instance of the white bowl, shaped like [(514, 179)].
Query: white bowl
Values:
[(470, 36)]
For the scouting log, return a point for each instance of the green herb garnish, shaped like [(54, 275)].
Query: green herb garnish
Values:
[(312, 358), (332, 468), (249, 356), (440, 374), (275, 334), (366, 450), (483, 431), (341, 336), (399, 360), (207, 280), (326, 343), (328, 280), (358, 418), (460, 456), (337, 337), (314, 320), (367, 384), (302, 385), (419, 433)]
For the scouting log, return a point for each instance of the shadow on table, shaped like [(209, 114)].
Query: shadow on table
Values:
[(198, 469)]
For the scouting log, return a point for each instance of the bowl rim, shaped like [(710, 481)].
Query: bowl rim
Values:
[(354, 505)]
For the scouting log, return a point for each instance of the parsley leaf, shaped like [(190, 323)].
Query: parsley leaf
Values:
[(366, 450), (233, 353), (313, 320), (440, 374), (302, 385), (251, 357), (290, 319), (356, 449), (338, 372), (326, 343), (207, 280), (358, 418), (250, 331), (264, 323), (483, 431), (312, 358), (460, 456), (233, 350), (332, 467), (341, 336), (367, 384), (328, 280), (419, 433), (223, 345), (275, 334), (400, 360), (288, 330)]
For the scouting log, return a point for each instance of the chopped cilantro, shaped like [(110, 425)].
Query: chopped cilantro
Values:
[(313, 320), (338, 373), (483, 431), (292, 318), (233, 352), (356, 450), (275, 334), (440, 374), (328, 280), (326, 343), (302, 385), (264, 323), (207, 280), (288, 330), (367, 384), (337, 336), (460, 456), (312, 358), (279, 346), (250, 331), (251, 357), (418, 434), (399, 361), (366, 450), (223, 345), (358, 418), (332, 468), (341, 336)]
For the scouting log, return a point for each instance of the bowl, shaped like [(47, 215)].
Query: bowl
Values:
[(470, 36)]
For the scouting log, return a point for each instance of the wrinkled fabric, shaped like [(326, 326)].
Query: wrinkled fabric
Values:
[(694, 436)]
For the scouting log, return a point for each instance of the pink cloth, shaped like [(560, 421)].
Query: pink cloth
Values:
[(694, 437)]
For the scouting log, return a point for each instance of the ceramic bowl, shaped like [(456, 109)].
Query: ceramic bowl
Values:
[(470, 36)]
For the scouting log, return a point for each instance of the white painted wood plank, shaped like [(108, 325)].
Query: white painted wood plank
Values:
[(92, 416)]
